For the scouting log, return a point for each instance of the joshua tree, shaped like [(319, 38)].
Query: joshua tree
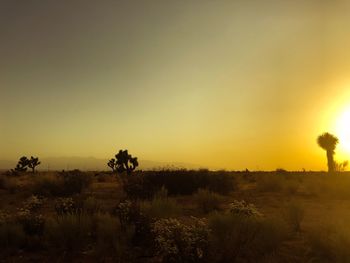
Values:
[(22, 164), (328, 142), (123, 162), (33, 162), (111, 163)]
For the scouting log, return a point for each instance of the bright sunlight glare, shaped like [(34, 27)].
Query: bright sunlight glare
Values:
[(342, 129)]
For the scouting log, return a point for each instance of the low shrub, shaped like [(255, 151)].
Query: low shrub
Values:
[(178, 182), (330, 243), (207, 201), (237, 238), (70, 232), (33, 224), (111, 239), (269, 183), (33, 203), (12, 236), (63, 184), (241, 208), (179, 242), (293, 213), (161, 208), (65, 205)]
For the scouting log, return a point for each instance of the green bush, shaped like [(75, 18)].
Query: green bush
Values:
[(237, 238), (207, 201)]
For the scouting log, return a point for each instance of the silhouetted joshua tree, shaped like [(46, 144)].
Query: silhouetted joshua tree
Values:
[(112, 164), (123, 162), (328, 142), (22, 164), (33, 162)]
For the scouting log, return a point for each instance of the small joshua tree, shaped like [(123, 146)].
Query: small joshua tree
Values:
[(22, 164), (33, 162), (123, 162), (112, 164)]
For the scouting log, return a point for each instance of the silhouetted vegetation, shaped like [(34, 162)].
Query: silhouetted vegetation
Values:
[(328, 142), (123, 162), (33, 162)]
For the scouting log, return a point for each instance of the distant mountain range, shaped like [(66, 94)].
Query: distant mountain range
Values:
[(92, 164)]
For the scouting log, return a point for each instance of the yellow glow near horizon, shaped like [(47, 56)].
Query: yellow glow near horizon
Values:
[(342, 129)]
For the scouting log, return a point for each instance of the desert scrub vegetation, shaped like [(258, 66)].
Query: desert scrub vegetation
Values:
[(330, 243), (293, 212), (61, 184), (179, 242), (178, 182), (237, 238), (207, 201)]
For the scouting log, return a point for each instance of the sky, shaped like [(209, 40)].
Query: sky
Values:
[(222, 84)]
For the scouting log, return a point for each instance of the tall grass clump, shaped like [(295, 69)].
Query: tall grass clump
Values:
[(161, 206), (237, 238), (207, 201), (71, 232), (293, 213), (329, 243), (112, 241)]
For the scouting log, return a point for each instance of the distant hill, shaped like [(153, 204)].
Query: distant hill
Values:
[(92, 164)]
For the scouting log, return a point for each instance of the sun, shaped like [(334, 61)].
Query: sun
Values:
[(342, 130)]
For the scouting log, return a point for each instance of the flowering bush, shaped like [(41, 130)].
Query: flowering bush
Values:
[(65, 205), (33, 203), (242, 208), (33, 224), (178, 242)]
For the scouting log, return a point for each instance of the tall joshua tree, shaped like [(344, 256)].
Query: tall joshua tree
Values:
[(123, 162), (328, 142), (33, 162)]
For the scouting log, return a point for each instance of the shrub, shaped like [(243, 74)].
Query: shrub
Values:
[(241, 208), (178, 182), (294, 214), (207, 201), (32, 224), (330, 243), (66, 184), (178, 242), (237, 238), (33, 203), (47, 185), (7, 183), (65, 205), (161, 208), (91, 206), (270, 183), (111, 238), (71, 232), (75, 181), (12, 235)]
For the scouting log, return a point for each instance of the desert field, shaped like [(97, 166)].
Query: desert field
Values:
[(175, 216)]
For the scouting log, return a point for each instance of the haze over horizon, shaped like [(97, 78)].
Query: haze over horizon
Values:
[(227, 84)]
